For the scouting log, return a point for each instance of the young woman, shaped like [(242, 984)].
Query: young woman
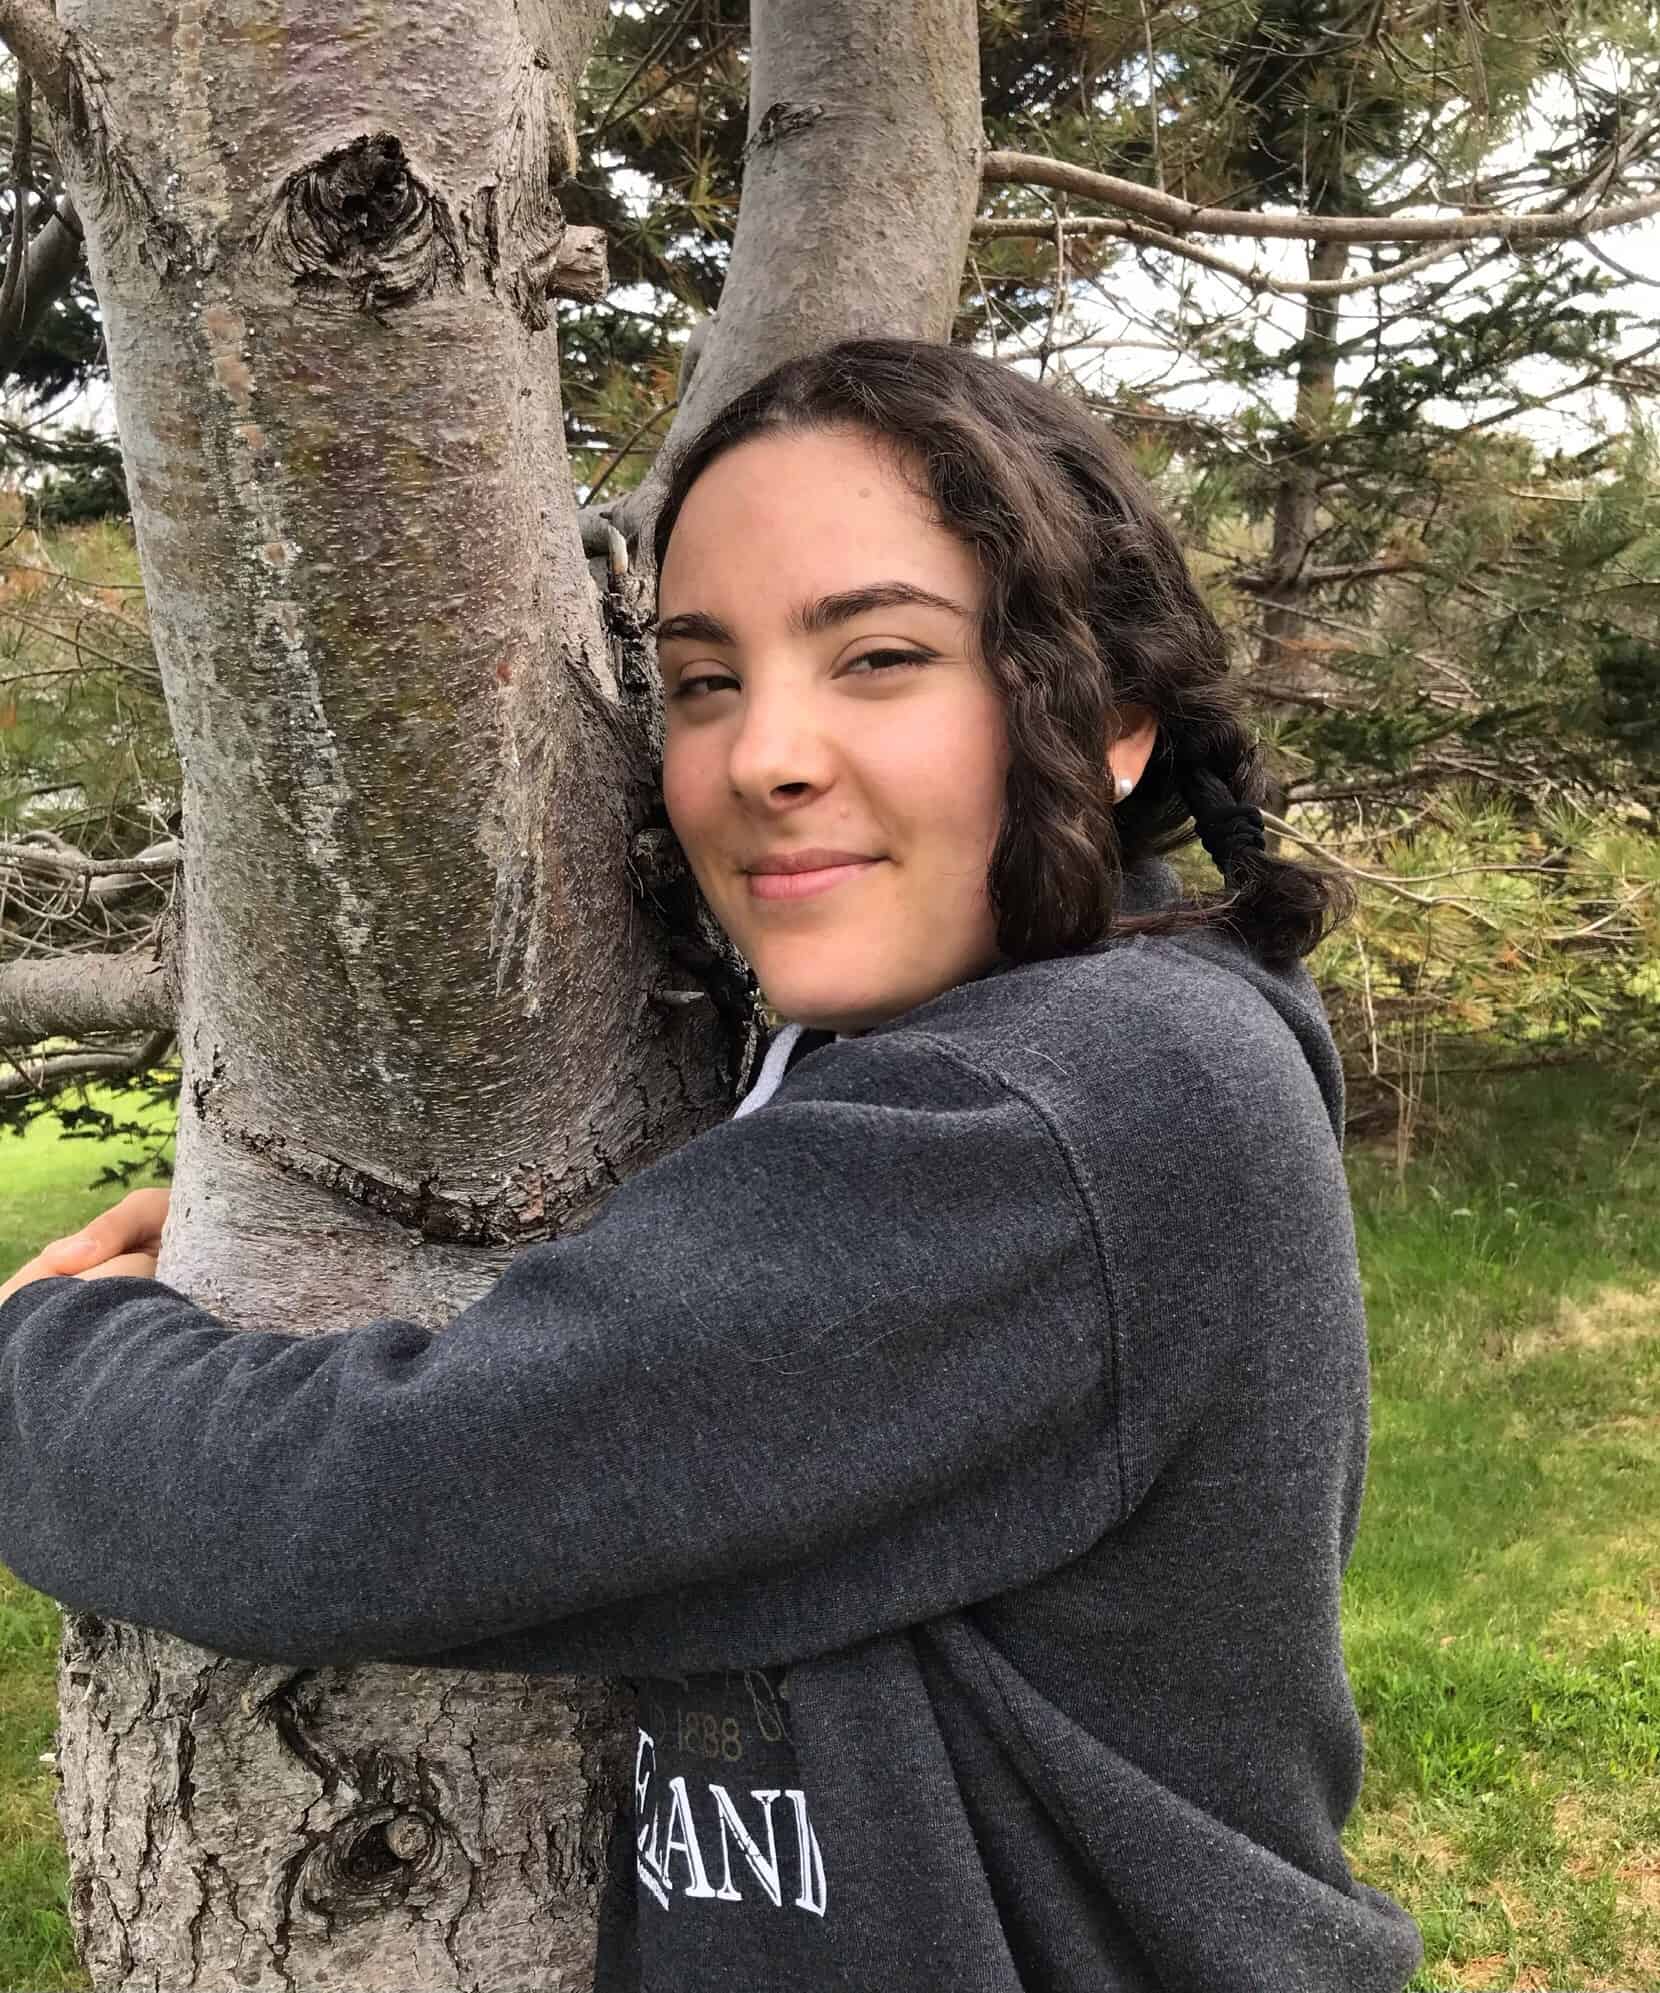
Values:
[(960, 1447)]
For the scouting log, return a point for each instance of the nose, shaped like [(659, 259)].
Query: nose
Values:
[(780, 752)]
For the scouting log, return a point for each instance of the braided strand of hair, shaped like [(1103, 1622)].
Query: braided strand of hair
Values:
[(1228, 827)]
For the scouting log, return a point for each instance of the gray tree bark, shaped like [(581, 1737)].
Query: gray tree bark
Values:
[(1286, 662), (861, 175), (54, 257), (419, 1010), (1287, 582)]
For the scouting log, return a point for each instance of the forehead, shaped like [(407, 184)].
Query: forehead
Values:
[(790, 514), (852, 461)]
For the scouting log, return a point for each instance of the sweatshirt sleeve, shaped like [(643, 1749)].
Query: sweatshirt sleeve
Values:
[(829, 1369)]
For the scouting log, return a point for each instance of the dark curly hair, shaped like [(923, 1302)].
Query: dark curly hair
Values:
[(1089, 608)]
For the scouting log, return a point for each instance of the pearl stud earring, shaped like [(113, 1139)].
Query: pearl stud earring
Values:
[(1123, 786)]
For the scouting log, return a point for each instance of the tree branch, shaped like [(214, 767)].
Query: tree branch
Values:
[(1254, 583), (993, 226), (1296, 695), (47, 1075), (1371, 785), (654, 52), (14, 293), (53, 261), (31, 31), (576, 267), (1386, 881), (78, 996), (718, 46), (1183, 217), (603, 474), (156, 861)]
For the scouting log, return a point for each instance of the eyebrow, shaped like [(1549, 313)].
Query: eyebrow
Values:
[(811, 618)]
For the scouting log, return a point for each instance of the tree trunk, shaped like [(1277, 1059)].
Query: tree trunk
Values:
[(416, 999), (1283, 657), (861, 178)]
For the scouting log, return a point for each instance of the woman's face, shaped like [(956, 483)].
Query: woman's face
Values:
[(825, 699)]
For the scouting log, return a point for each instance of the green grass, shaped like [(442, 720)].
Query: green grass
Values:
[(1503, 1607), (47, 1182), (46, 1191)]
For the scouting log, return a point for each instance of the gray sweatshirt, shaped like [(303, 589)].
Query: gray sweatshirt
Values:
[(960, 1452)]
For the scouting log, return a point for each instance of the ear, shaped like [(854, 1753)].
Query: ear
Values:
[(1130, 747)]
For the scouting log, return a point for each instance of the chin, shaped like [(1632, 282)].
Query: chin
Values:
[(820, 1009), (819, 1017)]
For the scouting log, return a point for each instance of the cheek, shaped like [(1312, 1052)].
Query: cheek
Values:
[(951, 777), (689, 786)]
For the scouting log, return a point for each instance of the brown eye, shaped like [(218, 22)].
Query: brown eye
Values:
[(886, 660)]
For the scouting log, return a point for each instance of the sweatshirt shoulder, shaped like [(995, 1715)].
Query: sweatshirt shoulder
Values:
[(1152, 1026)]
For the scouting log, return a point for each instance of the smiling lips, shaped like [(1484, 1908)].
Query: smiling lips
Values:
[(801, 874)]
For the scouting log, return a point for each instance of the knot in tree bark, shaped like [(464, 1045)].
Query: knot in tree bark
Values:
[(360, 230), (367, 1861)]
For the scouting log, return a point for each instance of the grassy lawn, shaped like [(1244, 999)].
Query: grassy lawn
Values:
[(1504, 1601), (44, 1193)]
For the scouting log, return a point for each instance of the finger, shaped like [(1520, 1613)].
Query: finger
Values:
[(139, 1216), (133, 1266), (136, 1221), (100, 1241), (38, 1268), (68, 1255)]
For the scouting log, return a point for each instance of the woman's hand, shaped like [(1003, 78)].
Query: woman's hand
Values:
[(124, 1241)]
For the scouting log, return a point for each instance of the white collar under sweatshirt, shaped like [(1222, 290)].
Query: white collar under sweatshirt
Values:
[(773, 1068)]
